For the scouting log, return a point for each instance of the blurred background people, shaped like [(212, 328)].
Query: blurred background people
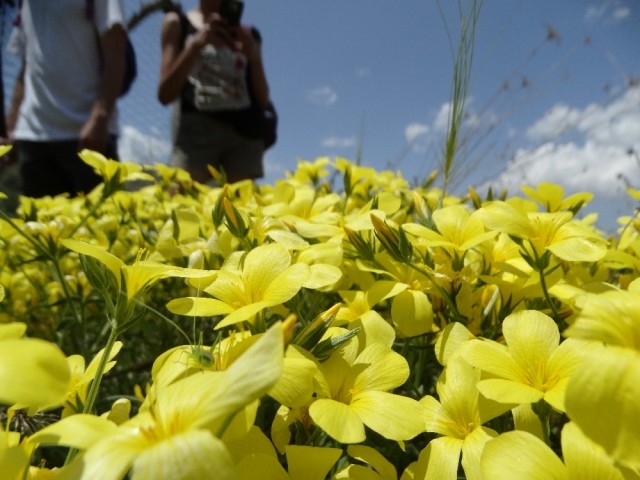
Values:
[(211, 67), (64, 99)]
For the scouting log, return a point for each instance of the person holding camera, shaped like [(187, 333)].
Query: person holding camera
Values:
[(211, 68)]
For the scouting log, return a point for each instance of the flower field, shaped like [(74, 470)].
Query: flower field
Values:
[(338, 324)]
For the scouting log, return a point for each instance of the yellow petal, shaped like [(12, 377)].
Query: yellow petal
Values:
[(33, 372), (263, 264), (386, 369), (491, 357), (602, 399), (295, 385), (472, 449), (259, 465), (521, 456), (12, 331), (13, 458), (532, 337), (198, 307), (310, 463), (242, 314), (113, 263), (286, 284), (508, 392), (338, 420), (254, 373), (412, 313), (322, 276), (584, 459), (369, 455), (192, 455), (439, 460), (109, 459), (80, 431), (503, 217), (449, 341), (578, 250), (393, 416)]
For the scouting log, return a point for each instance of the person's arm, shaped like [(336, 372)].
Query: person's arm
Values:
[(95, 132), (253, 51), (177, 61), (11, 117), (14, 105)]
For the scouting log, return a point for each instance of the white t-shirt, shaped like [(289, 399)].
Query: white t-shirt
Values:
[(62, 78)]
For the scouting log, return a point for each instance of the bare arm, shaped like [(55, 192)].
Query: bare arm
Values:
[(16, 100), (177, 61), (94, 133), (251, 48)]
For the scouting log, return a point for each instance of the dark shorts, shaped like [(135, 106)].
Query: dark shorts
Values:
[(202, 140), (52, 168)]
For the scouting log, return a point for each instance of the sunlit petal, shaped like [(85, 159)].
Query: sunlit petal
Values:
[(33, 372), (584, 459), (310, 463), (602, 399), (521, 456), (393, 416), (339, 420)]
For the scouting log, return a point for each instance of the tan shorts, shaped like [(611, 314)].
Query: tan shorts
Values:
[(202, 140)]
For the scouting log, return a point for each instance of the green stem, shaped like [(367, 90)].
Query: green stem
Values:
[(543, 285), (95, 385), (543, 411), (457, 316)]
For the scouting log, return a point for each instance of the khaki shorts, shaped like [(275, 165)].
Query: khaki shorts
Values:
[(202, 140)]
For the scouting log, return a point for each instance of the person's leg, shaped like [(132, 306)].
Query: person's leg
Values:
[(243, 159), (40, 171), (83, 176), (197, 145)]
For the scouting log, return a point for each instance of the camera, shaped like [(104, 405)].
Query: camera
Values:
[(231, 11)]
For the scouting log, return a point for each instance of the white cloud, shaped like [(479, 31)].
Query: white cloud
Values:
[(339, 142), (609, 11), (557, 120), (602, 156), (324, 96), (415, 131), (137, 147), (441, 121)]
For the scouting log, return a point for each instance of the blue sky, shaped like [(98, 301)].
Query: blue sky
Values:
[(552, 94)]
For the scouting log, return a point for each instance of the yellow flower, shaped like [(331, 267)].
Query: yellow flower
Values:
[(113, 173), (602, 399), (267, 279), (457, 230), (81, 378), (520, 455), (354, 392), (178, 435), (139, 276), (33, 373), (554, 232), (611, 317), (532, 366), (551, 197), (459, 417)]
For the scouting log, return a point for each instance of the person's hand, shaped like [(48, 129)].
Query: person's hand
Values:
[(247, 43), (94, 134), (215, 31)]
